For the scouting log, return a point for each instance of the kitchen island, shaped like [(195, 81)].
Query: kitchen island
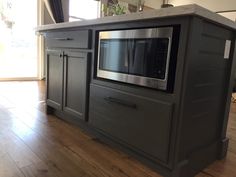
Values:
[(174, 118)]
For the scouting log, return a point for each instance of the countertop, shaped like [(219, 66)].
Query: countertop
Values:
[(191, 9)]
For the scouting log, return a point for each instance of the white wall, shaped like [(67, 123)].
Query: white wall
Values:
[(155, 4), (213, 5)]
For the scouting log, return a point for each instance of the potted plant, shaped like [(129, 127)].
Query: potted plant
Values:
[(113, 7)]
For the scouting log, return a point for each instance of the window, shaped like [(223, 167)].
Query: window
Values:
[(82, 10), (18, 42)]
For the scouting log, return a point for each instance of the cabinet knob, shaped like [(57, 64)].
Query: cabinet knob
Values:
[(60, 55)]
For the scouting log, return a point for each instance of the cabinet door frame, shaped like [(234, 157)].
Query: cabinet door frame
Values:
[(77, 55), (50, 102)]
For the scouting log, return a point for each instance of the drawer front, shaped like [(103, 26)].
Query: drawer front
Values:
[(141, 123), (68, 39)]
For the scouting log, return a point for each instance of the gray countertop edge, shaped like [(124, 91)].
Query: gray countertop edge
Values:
[(191, 9)]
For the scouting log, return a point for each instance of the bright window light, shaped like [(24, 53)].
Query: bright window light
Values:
[(82, 10)]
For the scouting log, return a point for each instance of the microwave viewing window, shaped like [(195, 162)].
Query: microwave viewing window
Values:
[(141, 57), (138, 56)]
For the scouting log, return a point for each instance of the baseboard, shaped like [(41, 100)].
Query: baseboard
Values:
[(223, 148), (203, 157)]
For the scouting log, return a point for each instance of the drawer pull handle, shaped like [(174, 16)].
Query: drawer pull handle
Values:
[(120, 102), (64, 39)]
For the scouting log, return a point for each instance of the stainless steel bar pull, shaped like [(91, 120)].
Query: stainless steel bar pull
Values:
[(64, 39), (120, 102)]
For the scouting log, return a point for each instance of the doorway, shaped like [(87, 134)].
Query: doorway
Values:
[(18, 42)]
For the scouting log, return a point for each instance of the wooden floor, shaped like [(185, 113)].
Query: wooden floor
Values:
[(33, 144)]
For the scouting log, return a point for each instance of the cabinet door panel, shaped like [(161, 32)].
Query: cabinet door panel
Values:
[(54, 78), (138, 122), (75, 84)]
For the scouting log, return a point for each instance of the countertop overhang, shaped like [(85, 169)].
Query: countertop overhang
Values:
[(191, 9)]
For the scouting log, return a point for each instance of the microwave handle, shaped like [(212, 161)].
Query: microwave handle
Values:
[(129, 53), (127, 56), (131, 49)]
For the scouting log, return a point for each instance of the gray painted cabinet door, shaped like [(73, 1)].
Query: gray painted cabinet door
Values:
[(54, 78), (75, 83), (141, 123)]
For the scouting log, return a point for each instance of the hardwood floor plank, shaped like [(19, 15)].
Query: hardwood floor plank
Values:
[(18, 151), (48, 150), (223, 168), (39, 170), (114, 162), (232, 145), (8, 167)]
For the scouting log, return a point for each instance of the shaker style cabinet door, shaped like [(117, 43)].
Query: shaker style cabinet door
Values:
[(54, 78), (141, 123), (75, 83)]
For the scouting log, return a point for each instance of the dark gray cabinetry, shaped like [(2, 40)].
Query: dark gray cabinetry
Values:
[(54, 78), (75, 83), (67, 63), (68, 39), (140, 122), (178, 133)]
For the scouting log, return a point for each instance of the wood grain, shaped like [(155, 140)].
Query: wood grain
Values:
[(34, 144)]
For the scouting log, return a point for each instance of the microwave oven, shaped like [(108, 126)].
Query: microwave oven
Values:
[(144, 57)]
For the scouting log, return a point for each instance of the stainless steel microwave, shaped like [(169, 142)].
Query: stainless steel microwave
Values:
[(137, 56)]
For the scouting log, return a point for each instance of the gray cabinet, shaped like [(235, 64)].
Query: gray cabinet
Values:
[(75, 83), (138, 122), (182, 132), (68, 39), (178, 133), (54, 78), (67, 75), (67, 81)]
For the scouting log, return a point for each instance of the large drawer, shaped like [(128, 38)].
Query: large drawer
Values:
[(141, 123), (68, 39)]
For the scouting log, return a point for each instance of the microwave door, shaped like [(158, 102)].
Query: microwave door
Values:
[(113, 55), (138, 53)]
